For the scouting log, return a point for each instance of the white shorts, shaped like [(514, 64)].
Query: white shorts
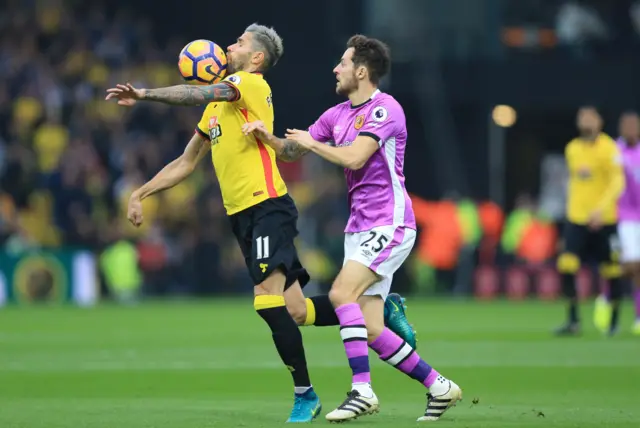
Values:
[(629, 236), (383, 250)]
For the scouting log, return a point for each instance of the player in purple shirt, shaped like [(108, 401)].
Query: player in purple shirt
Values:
[(367, 136), (629, 204)]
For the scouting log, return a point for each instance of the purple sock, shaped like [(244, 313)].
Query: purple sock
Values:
[(396, 352), (636, 298), (354, 336)]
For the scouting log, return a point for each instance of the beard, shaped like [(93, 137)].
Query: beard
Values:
[(346, 87), (234, 64)]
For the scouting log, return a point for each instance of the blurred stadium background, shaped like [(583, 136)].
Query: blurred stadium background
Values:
[(490, 89)]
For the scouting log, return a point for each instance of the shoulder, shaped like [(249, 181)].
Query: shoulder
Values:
[(608, 143), (384, 107), (336, 110), (242, 78), (571, 145)]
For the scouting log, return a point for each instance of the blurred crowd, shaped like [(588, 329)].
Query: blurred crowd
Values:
[(69, 160)]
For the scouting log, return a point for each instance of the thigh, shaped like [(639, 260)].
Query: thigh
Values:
[(575, 238), (629, 236), (606, 245), (273, 234), (382, 249), (242, 228), (295, 299)]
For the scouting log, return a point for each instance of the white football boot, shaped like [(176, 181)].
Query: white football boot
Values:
[(443, 395), (354, 406)]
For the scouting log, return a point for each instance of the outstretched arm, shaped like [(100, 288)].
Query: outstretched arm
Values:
[(177, 170), (180, 95), (190, 95), (286, 150)]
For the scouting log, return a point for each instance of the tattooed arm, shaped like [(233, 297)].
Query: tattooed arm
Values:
[(190, 95), (181, 95), (286, 150)]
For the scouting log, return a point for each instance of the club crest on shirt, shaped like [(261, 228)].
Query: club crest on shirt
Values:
[(359, 121), (584, 172)]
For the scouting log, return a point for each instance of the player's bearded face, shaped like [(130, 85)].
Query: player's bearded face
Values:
[(345, 73), (588, 124), (347, 83), (239, 54)]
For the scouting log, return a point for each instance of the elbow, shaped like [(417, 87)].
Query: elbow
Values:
[(355, 164), (186, 167)]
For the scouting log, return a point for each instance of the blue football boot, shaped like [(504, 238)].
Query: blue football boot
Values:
[(396, 320), (306, 407)]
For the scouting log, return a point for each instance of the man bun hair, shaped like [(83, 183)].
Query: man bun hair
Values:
[(371, 53), (268, 40)]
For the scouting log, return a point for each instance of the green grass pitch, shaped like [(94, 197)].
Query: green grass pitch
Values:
[(212, 364)]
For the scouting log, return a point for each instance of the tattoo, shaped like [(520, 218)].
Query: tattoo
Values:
[(191, 95), (291, 151)]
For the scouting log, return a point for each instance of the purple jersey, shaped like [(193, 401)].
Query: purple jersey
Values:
[(629, 202), (377, 195)]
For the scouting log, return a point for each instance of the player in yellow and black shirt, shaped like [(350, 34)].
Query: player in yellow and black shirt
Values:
[(263, 216), (596, 181)]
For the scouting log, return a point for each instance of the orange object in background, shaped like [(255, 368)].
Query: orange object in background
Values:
[(440, 239), (492, 222), (491, 219), (538, 242)]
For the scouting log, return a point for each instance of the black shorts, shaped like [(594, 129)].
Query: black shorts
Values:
[(600, 245), (265, 233)]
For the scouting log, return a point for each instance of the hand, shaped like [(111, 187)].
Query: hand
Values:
[(126, 95), (256, 128), (595, 220), (134, 211), (303, 138)]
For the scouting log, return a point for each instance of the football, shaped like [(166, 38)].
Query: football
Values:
[(202, 62)]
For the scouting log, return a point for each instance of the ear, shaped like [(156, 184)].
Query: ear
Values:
[(361, 72), (257, 57)]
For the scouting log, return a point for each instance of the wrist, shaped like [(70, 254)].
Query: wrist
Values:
[(136, 195), (143, 94)]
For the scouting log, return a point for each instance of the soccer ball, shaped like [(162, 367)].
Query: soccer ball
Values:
[(202, 62)]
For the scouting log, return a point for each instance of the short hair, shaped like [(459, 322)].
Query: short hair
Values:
[(267, 39), (371, 53)]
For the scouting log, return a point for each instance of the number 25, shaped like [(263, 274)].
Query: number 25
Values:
[(380, 242)]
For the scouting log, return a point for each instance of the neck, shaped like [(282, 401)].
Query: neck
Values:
[(363, 93), (631, 141), (251, 68)]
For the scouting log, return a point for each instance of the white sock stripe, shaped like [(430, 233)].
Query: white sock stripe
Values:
[(349, 332), (401, 354)]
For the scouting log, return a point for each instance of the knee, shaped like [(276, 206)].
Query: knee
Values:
[(568, 263), (341, 296), (267, 295), (298, 311)]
